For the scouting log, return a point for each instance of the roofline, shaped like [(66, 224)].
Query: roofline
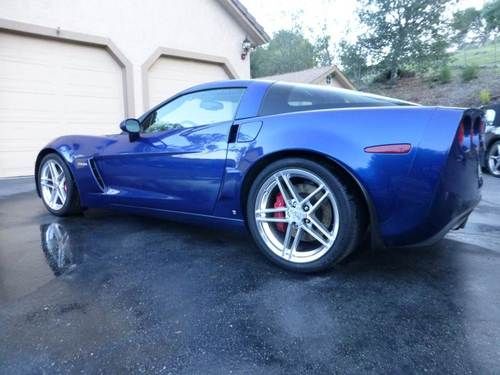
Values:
[(256, 32), (332, 69), (339, 75), (343, 77)]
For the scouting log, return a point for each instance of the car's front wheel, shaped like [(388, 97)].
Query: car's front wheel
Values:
[(56, 186), (302, 216), (493, 159)]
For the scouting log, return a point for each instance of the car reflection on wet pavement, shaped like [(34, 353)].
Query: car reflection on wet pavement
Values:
[(113, 293), (58, 251)]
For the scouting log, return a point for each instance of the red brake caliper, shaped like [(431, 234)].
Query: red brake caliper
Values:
[(278, 203)]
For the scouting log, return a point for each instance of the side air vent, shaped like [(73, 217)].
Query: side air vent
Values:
[(233, 132), (97, 175)]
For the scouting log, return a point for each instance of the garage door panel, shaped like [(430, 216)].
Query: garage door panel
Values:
[(21, 145), (36, 87), (170, 75), (27, 100), (50, 88), (16, 160), (14, 72), (22, 134)]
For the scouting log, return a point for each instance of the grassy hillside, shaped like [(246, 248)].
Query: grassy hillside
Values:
[(482, 56), (429, 91)]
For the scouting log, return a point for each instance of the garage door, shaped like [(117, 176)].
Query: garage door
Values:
[(170, 75), (50, 88)]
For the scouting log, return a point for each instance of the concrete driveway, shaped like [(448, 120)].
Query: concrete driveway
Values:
[(113, 293)]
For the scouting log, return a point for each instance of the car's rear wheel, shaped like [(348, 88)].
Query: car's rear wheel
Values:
[(493, 159), (302, 216), (57, 188)]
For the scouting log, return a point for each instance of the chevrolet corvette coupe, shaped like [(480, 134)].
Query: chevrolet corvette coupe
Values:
[(309, 171)]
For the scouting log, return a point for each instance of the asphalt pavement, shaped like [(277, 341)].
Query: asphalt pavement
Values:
[(112, 293)]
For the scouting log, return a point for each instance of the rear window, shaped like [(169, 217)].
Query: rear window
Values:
[(285, 97)]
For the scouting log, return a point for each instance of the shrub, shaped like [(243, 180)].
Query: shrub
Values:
[(406, 73), (469, 72), (485, 96), (385, 75), (444, 74)]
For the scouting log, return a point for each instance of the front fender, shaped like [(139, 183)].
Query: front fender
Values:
[(76, 152)]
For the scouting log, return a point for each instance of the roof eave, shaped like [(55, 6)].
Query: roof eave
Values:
[(256, 32), (344, 78), (339, 75)]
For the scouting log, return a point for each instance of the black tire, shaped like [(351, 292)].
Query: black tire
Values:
[(352, 216), (492, 151), (72, 204)]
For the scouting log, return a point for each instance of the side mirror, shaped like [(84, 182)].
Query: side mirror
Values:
[(132, 127)]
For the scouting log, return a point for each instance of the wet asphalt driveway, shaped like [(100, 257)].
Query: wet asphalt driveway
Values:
[(112, 293)]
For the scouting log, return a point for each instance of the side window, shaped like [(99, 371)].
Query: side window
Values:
[(195, 109), (284, 97)]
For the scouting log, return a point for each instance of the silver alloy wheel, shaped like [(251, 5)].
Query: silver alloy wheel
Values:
[(53, 184), (309, 217), (494, 160)]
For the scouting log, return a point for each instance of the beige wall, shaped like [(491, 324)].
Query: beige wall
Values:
[(139, 28)]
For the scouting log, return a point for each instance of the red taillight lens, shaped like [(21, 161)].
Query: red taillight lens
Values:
[(399, 148), (461, 134), (481, 127)]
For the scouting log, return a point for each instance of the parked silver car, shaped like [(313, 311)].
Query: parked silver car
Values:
[(491, 161)]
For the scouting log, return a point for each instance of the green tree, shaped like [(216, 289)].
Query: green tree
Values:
[(404, 33), (321, 46), (491, 15), (465, 23), (288, 51), (353, 60)]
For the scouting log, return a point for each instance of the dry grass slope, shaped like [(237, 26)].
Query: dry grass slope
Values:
[(425, 91), (456, 93)]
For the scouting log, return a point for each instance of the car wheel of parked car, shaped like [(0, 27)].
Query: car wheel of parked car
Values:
[(493, 159), (56, 186), (302, 216)]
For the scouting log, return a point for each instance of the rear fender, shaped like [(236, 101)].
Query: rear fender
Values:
[(415, 193), (342, 135)]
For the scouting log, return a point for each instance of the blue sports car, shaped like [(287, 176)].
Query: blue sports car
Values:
[(309, 171)]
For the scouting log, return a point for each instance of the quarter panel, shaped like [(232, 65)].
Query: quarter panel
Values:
[(400, 196)]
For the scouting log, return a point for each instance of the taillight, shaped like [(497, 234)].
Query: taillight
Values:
[(480, 127), (461, 134)]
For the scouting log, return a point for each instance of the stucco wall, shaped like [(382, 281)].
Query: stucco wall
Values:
[(138, 28), (333, 83)]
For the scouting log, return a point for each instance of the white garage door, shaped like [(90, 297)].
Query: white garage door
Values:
[(170, 75), (48, 89)]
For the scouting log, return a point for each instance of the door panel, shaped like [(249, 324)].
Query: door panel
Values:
[(179, 159), (178, 170)]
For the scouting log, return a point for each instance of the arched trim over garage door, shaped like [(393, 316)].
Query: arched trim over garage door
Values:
[(85, 39), (182, 55)]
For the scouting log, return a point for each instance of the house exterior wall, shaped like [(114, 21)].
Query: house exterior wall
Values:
[(334, 82), (139, 28)]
